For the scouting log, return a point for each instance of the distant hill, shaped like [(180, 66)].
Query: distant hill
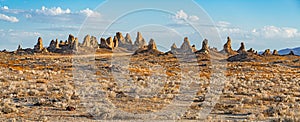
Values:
[(287, 51)]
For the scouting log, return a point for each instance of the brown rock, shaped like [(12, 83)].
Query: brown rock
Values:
[(251, 50), (242, 49), (103, 44), (70, 108), (86, 41), (94, 43), (52, 46), (275, 52), (128, 39), (140, 41), (205, 47), (71, 39), (173, 47), (110, 42), (115, 42), (186, 47), (227, 47), (120, 39), (152, 45), (39, 46), (267, 52)]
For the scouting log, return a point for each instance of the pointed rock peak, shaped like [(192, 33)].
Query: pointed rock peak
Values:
[(128, 39), (40, 40), (173, 46), (128, 36), (19, 47), (186, 44), (242, 48), (228, 40), (139, 35), (140, 41), (152, 45), (205, 45), (267, 52), (275, 52)]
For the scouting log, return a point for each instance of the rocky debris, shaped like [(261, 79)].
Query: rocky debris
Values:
[(205, 47), (140, 41), (244, 57), (275, 52), (291, 53), (267, 52), (123, 42), (227, 47), (242, 49), (39, 46), (151, 48)]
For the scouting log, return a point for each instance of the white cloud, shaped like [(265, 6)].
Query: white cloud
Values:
[(270, 32), (180, 17), (53, 11), (4, 8), (90, 13), (8, 18)]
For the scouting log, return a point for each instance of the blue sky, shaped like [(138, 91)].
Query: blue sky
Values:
[(261, 24)]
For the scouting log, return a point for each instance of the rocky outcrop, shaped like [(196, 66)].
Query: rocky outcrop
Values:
[(39, 46), (152, 45), (242, 48), (205, 47), (267, 52), (115, 42), (140, 41), (86, 41), (186, 46), (275, 52), (71, 40), (90, 42), (173, 47), (251, 50), (75, 44), (52, 46), (128, 39), (227, 47), (151, 48), (120, 39)]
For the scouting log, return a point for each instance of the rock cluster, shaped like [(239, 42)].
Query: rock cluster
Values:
[(267, 52), (39, 46), (275, 52), (90, 42), (140, 41), (205, 47), (185, 48), (151, 48), (227, 47)]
